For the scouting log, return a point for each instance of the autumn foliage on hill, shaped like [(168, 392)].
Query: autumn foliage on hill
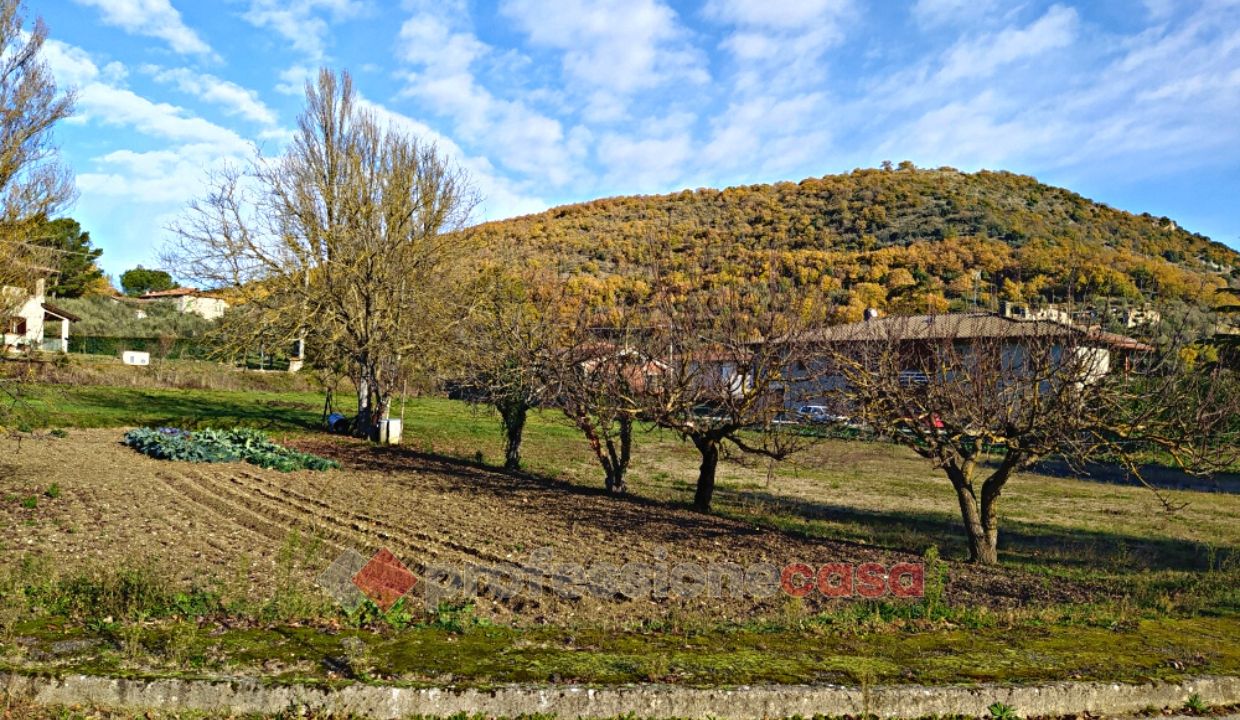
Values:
[(899, 239)]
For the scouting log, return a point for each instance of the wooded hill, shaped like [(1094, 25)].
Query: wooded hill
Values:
[(900, 239)]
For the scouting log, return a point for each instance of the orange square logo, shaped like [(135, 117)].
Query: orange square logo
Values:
[(384, 579)]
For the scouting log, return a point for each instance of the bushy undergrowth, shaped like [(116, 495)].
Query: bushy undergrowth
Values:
[(211, 446)]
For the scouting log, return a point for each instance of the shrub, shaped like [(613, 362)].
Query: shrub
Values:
[(210, 446), (1196, 705)]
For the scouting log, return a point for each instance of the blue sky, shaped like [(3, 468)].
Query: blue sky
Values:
[(544, 102)]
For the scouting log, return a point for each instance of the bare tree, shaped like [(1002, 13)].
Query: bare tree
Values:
[(33, 183), (984, 397), (505, 345), (534, 342), (354, 238), (727, 359), (597, 378)]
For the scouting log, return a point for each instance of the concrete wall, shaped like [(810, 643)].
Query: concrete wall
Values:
[(250, 696)]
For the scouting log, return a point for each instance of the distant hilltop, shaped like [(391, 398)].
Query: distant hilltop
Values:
[(900, 239)]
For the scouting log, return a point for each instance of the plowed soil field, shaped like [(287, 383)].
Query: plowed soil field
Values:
[(215, 522)]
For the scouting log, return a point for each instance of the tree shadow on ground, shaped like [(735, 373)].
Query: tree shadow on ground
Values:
[(610, 513), (749, 515), (1033, 544), (1164, 478)]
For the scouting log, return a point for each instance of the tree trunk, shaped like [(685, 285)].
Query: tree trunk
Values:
[(327, 404), (706, 473), (618, 464), (378, 406), (626, 451), (362, 423), (615, 480), (383, 407), (513, 415), (980, 515), (983, 541)]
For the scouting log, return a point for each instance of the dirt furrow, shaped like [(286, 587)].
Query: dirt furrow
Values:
[(277, 521), (285, 497), (414, 539), (229, 513), (280, 507)]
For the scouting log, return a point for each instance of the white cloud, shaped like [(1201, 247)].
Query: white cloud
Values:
[(293, 79), (1040, 97), (187, 145), (613, 47), (1160, 9), (501, 196), (645, 164), (985, 131), (154, 177), (101, 99), (775, 14), (427, 39), (764, 134), (302, 22), (73, 66), (778, 46), (154, 18), (526, 140), (1035, 59), (932, 13), (982, 57), (235, 99), (109, 105)]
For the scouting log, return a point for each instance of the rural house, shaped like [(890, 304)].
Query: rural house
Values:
[(192, 301), (29, 317), (918, 337)]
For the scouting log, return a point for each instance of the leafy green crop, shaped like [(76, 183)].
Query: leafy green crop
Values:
[(252, 446)]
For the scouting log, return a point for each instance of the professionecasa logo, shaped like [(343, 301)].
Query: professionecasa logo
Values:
[(842, 580), (384, 579), (352, 579)]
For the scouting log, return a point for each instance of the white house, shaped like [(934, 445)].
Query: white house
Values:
[(28, 318), (190, 300)]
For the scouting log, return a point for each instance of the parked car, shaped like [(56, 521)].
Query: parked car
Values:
[(819, 414)]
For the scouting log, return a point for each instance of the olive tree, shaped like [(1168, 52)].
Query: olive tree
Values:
[(352, 238)]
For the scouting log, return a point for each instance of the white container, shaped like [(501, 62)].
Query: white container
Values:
[(130, 357), (389, 431)]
